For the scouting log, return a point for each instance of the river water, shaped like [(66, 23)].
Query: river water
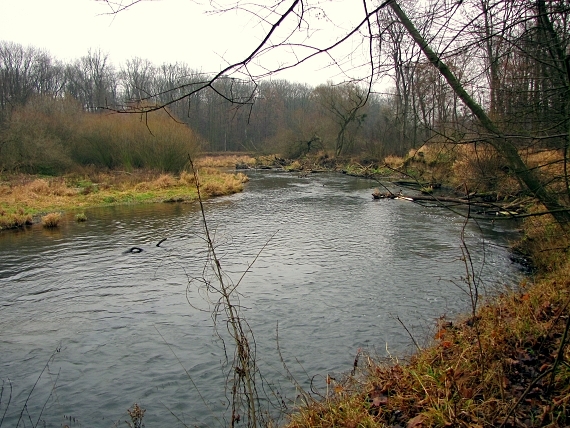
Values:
[(112, 328)]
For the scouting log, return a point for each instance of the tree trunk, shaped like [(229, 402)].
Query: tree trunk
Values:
[(500, 142)]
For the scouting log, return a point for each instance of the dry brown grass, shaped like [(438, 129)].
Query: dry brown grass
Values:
[(548, 161), (14, 220), (51, 220), (47, 187), (187, 179), (164, 181), (544, 242), (481, 169), (219, 185), (224, 161), (394, 161), (23, 196)]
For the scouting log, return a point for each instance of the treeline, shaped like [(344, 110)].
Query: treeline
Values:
[(509, 55), (228, 114)]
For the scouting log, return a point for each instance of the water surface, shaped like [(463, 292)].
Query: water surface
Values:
[(337, 270)]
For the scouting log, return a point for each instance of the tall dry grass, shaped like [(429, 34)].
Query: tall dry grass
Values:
[(481, 168), (132, 141), (224, 161), (38, 136), (216, 183)]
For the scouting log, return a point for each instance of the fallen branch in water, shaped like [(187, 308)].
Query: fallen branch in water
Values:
[(512, 209)]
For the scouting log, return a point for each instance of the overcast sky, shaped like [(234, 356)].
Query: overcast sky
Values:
[(164, 31)]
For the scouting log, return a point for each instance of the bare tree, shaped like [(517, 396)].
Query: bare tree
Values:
[(345, 104), (497, 139), (522, 57), (93, 81)]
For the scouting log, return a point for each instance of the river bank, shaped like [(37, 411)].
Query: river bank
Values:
[(503, 364), (25, 199)]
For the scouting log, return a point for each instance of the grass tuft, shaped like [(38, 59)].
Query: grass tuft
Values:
[(51, 220)]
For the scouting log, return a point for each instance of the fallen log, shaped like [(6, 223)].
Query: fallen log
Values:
[(505, 209)]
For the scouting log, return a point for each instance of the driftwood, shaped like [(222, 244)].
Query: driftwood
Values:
[(511, 208)]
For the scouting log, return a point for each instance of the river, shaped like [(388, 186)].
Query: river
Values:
[(337, 271)]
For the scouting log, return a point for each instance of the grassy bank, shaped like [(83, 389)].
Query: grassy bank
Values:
[(25, 198)]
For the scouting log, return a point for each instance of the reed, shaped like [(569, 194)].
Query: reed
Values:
[(225, 161)]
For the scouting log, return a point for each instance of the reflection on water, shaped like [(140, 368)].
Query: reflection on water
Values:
[(338, 271)]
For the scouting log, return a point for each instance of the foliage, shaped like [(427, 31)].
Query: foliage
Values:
[(39, 136), (54, 136), (132, 141)]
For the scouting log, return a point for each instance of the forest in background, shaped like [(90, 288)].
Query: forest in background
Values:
[(509, 55), (232, 115)]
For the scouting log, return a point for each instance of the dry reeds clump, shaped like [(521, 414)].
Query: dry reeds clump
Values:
[(214, 188), (241, 177), (224, 161), (10, 221), (51, 220), (394, 161), (164, 182), (187, 178), (43, 187), (481, 169), (224, 185), (39, 186)]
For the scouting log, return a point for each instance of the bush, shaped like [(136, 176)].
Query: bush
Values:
[(53, 136), (481, 169), (126, 141), (38, 136)]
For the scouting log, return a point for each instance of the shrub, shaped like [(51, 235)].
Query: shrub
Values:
[(187, 178), (482, 169), (53, 136), (124, 140), (80, 217), (38, 136), (394, 161)]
